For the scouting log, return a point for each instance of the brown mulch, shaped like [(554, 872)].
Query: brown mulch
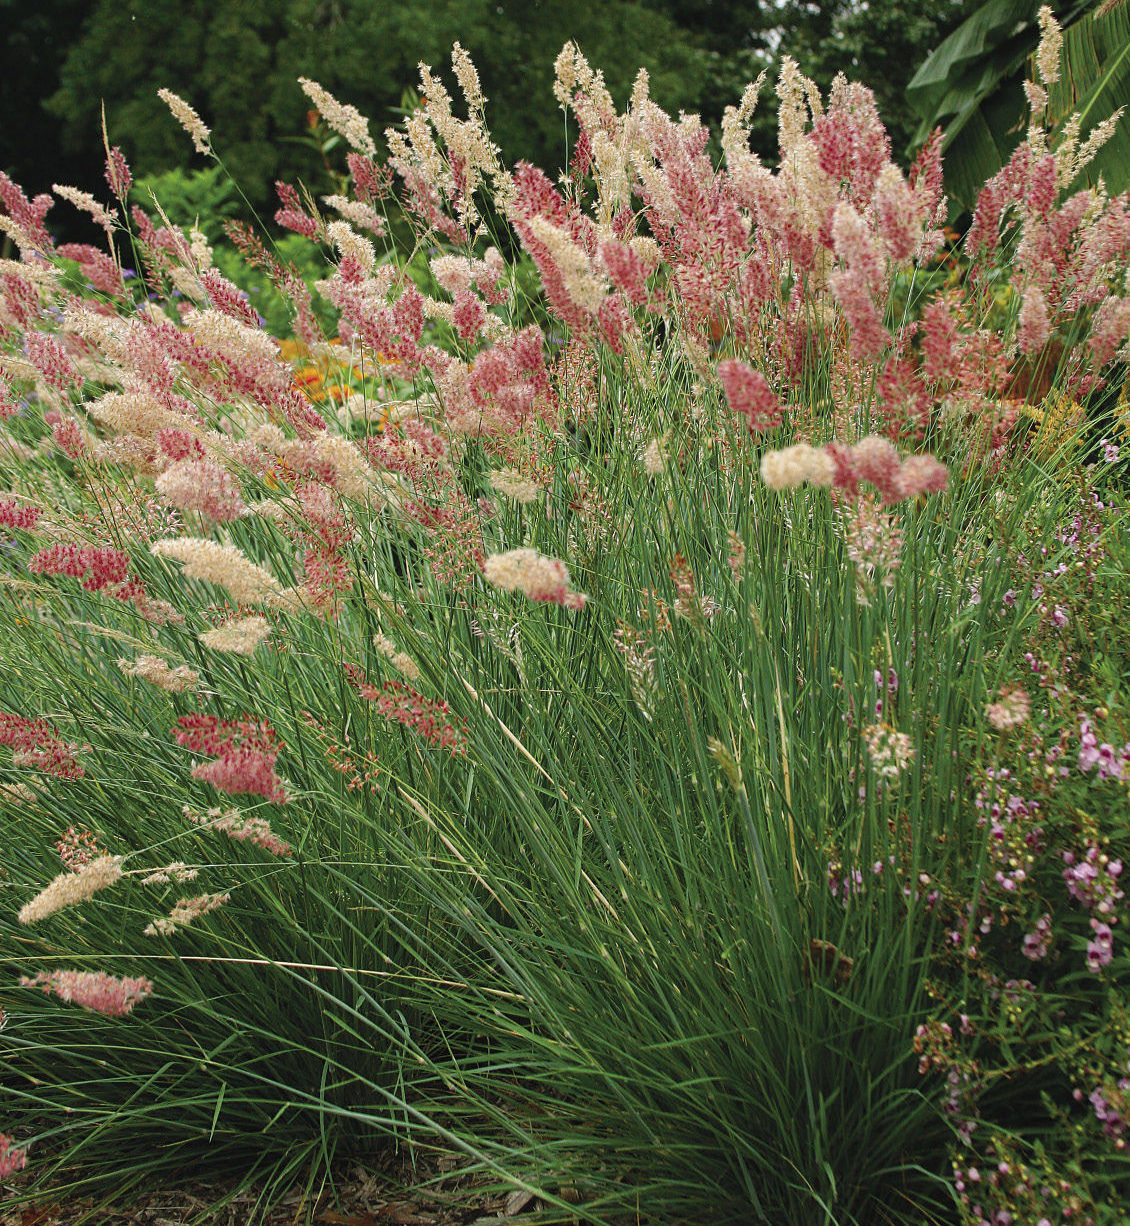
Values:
[(386, 1193)]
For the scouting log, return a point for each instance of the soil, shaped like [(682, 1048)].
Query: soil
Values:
[(383, 1193)]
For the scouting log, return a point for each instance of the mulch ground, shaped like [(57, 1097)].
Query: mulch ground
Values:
[(385, 1194)]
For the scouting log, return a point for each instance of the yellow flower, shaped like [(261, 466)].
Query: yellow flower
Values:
[(1060, 422)]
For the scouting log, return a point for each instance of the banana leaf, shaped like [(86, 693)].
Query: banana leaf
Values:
[(1095, 83), (972, 87)]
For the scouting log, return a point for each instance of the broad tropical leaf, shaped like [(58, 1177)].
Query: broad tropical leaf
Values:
[(971, 86), (970, 62), (1096, 83)]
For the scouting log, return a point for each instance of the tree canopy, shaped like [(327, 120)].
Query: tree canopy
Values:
[(236, 62)]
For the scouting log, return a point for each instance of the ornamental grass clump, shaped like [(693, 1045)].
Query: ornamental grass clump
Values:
[(664, 645)]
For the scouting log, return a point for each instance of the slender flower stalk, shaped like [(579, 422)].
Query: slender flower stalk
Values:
[(188, 119), (160, 673), (255, 830), (186, 912)]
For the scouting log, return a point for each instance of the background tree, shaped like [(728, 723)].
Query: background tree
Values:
[(236, 61)]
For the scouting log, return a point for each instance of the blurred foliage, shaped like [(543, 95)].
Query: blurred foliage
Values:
[(236, 61), (204, 198), (32, 51)]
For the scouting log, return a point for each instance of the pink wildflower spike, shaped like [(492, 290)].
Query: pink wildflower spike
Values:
[(18, 515), (227, 297), (852, 144), (859, 280), (12, 1159), (97, 567), (748, 393), (614, 320), (939, 337), (428, 718), (256, 830), (468, 315), (49, 357), (201, 485), (370, 181), (1110, 327), (98, 268), (1035, 324), (923, 474), (178, 444), (35, 744), (8, 406), (292, 216), (244, 754), (626, 268), (27, 214), (118, 174), (877, 461), (67, 434), (93, 990)]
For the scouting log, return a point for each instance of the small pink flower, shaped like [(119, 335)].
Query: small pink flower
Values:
[(1100, 951), (1011, 710)]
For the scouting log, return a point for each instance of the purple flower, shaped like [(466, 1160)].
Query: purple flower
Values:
[(1100, 951)]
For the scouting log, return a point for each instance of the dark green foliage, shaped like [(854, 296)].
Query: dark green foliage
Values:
[(971, 86), (32, 50), (236, 62)]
